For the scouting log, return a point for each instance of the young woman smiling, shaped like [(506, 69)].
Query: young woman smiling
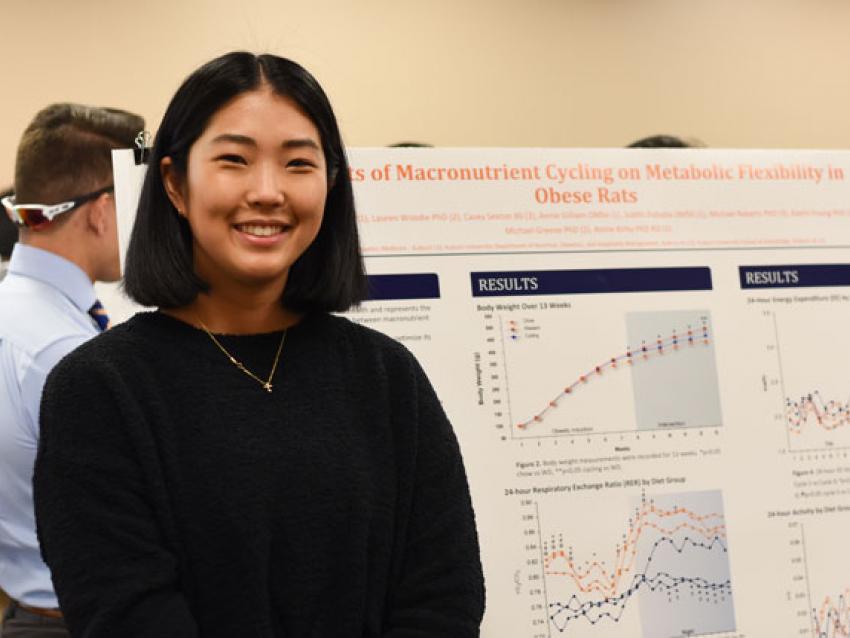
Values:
[(242, 462)]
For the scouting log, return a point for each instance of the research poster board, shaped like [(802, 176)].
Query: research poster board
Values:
[(127, 177), (646, 358)]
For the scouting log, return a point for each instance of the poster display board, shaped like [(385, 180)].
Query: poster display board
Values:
[(645, 357), (128, 177)]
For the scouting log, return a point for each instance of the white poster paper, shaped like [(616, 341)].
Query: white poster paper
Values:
[(128, 178), (645, 357)]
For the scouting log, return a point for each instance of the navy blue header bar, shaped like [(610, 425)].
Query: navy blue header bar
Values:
[(578, 282), (807, 276), (415, 286)]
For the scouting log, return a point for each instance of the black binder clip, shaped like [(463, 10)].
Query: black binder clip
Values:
[(143, 147)]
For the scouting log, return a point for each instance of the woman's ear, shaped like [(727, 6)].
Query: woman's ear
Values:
[(173, 183)]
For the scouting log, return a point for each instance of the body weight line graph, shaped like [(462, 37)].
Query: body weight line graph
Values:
[(643, 353), (661, 376), (813, 419), (667, 575)]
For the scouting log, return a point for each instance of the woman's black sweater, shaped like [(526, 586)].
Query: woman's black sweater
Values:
[(175, 497)]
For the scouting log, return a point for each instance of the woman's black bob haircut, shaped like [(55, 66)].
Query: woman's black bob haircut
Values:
[(159, 270)]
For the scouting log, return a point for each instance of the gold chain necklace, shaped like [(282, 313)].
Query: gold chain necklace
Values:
[(267, 384)]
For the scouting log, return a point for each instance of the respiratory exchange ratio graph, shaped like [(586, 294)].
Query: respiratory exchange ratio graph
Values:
[(595, 375), (667, 571)]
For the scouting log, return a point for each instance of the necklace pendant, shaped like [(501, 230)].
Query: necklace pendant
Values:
[(267, 385)]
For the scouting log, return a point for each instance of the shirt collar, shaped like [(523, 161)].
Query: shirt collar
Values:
[(55, 271)]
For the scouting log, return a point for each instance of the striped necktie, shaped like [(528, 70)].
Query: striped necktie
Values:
[(99, 315)]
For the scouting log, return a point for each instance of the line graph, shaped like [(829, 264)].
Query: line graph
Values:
[(832, 618), (600, 374), (827, 585), (643, 353), (813, 368), (811, 411), (671, 563)]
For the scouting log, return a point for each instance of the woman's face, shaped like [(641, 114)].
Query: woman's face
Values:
[(254, 190)]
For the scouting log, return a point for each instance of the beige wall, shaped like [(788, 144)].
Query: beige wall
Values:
[(736, 73)]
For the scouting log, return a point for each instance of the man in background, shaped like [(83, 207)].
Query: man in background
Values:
[(8, 235), (666, 141), (65, 212)]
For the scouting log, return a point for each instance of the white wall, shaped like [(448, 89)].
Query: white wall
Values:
[(735, 73)]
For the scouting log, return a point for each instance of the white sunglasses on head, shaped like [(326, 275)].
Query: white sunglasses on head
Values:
[(39, 215)]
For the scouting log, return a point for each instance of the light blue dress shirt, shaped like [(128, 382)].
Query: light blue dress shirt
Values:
[(44, 303)]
